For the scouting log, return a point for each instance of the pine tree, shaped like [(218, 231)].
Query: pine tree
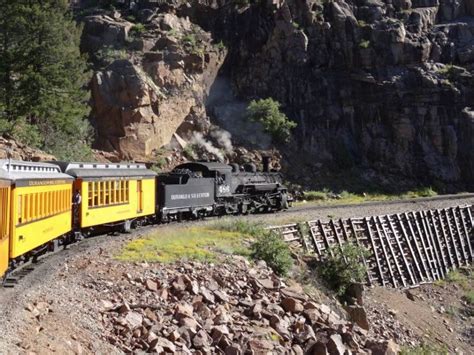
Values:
[(43, 96)]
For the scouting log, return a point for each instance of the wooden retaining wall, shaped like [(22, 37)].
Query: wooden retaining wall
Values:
[(406, 249)]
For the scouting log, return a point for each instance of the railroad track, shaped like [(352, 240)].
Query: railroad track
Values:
[(406, 249), (450, 197)]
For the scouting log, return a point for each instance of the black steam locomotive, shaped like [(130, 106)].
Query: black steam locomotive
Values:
[(200, 189)]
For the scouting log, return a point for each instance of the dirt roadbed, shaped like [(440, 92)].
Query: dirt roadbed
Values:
[(54, 308)]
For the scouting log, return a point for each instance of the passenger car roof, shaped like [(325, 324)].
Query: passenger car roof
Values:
[(205, 166), (98, 170), (15, 170)]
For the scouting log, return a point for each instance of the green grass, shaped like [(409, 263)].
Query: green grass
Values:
[(137, 29), (463, 278), (424, 349), (188, 243), (469, 297), (452, 311), (326, 196), (454, 276), (240, 226)]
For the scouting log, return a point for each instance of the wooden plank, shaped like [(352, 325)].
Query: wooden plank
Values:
[(351, 223), (461, 240), (387, 259), (437, 241), (303, 237), (395, 259), (374, 249), (344, 230), (424, 247), (451, 236), (400, 249), (336, 235), (468, 209), (466, 231), (410, 247), (470, 216), (323, 233), (429, 238), (452, 264), (313, 237), (413, 236)]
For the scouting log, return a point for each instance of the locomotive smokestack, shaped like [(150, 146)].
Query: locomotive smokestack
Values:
[(266, 164)]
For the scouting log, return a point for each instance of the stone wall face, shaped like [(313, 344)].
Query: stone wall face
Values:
[(383, 86), (140, 100), (371, 82)]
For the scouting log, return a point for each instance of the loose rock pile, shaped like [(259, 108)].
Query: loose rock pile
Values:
[(230, 308)]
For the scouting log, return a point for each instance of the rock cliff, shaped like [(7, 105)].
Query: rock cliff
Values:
[(149, 79), (378, 88)]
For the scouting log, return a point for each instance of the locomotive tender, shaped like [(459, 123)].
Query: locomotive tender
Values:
[(45, 205)]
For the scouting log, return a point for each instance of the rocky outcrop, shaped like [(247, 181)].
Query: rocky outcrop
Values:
[(370, 84), (140, 100), (382, 88), (9, 148)]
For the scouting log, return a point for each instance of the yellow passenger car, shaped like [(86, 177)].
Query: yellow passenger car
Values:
[(4, 224), (112, 194), (39, 196)]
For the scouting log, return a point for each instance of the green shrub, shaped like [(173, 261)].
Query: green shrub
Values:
[(272, 249), (189, 151), (450, 71), (343, 266), (26, 133), (220, 45), (190, 39), (469, 297), (137, 29), (426, 192), (173, 33), (315, 195), (364, 44), (5, 127), (454, 276), (275, 122), (130, 18), (108, 55)]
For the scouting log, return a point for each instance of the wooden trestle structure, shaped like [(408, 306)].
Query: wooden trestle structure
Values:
[(405, 249)]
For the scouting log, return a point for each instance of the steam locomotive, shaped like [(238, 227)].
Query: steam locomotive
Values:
[(46, 205), (201, 189)]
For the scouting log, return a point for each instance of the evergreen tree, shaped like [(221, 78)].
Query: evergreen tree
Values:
[(43, 96)]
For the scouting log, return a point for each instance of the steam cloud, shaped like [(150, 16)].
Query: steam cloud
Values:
[(223, 139), (199, 140)]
